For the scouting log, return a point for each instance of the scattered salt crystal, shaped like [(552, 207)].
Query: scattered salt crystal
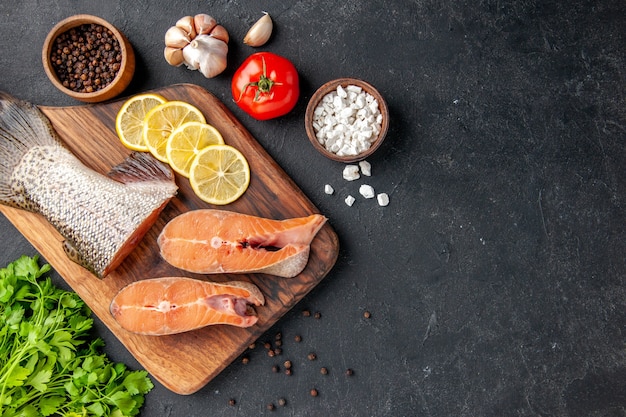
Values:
[(383, 199), (366, 168), (350, 200), (351, 173), (366, 191), (328, 189)]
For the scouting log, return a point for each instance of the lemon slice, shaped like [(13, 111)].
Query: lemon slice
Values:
[(129, 120), (162, 120), (219, 174), (187, 141)]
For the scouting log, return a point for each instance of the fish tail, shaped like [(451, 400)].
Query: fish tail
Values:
[(22, 127)]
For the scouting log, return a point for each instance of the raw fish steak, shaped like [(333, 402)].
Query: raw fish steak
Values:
[(218, 241), (170, 305)]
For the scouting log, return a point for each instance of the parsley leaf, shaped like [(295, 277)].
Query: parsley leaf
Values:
[(49, 364)]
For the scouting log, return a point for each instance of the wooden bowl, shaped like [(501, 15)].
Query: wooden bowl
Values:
[(327, 89), (123, 76)]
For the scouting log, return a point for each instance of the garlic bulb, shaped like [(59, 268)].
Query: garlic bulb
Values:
[(206, 54), (260, 32), (199, 43)]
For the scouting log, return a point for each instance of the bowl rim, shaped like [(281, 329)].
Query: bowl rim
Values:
[(330, 86), (124, 74)]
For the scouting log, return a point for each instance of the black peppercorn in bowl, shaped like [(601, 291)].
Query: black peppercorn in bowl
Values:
[(88, 59)]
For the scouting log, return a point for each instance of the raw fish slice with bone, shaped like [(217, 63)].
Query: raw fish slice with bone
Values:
[(170, 305), (218, 241), (102, 218)]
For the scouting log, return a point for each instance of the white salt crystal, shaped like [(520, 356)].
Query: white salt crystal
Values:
[(383, 199), (351, 173), (366, 168), (328, 189), (346, 113), (350, 200), (366, 191), (338, 102)]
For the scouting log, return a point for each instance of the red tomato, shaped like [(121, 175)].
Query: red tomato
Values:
[(266, 86)]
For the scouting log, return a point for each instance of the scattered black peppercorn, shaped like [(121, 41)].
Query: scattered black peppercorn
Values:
[(278, 351), (306, 313), (314, 392), (278, 336), (245, 360), (251, 346), (287, 364), (312, 356), (267, 345), (271, 407), (288, 372), (367, 314), (349, 372), (318, 315), (282, 402), (275, 368), (278, 343), (324, 371), (298, 338), (271, 353), (232, 402)]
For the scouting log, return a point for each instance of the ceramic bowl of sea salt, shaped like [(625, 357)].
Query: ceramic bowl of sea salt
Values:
[(346, 119)]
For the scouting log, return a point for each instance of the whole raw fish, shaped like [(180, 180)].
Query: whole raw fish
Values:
[(102, 218)]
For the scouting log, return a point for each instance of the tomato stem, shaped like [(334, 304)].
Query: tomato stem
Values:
[(264, 84)]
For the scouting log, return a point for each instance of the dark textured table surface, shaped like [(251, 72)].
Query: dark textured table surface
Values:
[(495, 277)]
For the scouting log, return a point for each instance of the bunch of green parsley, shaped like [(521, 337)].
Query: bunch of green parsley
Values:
[(49, 364)]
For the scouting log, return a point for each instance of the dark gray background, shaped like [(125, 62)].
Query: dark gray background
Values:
[(495, 277)]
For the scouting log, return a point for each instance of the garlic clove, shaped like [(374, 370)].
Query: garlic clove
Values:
[(176, 37), (260, 32), (206, 54), (174, 56), (220, 33), (204, 23), (186, 24)]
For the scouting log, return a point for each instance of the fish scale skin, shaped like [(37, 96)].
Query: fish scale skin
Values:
[(96, 214)]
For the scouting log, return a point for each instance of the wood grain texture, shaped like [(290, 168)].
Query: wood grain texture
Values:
[(186, 362)]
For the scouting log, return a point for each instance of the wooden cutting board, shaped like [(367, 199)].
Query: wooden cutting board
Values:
[(186, 362)]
